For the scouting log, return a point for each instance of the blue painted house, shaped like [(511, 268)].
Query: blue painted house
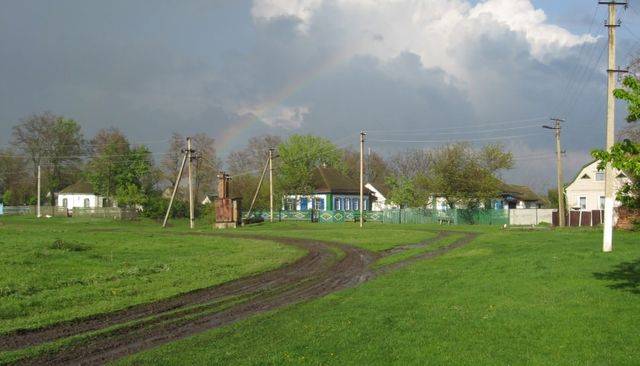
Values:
[(332, 191)]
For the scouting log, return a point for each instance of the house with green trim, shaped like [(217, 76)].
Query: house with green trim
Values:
[(332, 191)]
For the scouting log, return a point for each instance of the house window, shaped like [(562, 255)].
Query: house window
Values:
[(347, 204), (65, 203), (320, 204), (86, 203), (600, 175), (355, 204), (337, 204), (303, 204), (582, 203), (602, 202)]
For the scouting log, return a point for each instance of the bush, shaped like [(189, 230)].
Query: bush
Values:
[(156, 208)]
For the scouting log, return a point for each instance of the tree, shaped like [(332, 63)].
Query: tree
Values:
[(299, 156), (376, 169), (464, 176), (406, 192), (624, 156), (246, 165), (109, 149), (205, 168), (15, 182), (631, 94), (410, 162), (54, 140)]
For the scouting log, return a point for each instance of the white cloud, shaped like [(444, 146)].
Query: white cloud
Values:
[(280, 116), (429, 28)]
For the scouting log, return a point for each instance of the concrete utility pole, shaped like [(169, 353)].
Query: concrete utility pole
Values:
[(560, 183), (255, 196), (175, 188), (362, 135), (38, 199), (271, 185), (191, 207), (612, 24)]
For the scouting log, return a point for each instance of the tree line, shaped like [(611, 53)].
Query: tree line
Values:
[(129, 174)]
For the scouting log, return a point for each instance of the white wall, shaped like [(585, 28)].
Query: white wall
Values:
[(77, 200), (590, 188), (530, 216)]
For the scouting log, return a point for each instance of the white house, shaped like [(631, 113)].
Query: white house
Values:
[(379, 201), (79, 194), (586, 191)]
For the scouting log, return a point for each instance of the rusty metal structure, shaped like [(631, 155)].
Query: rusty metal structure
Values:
[(228, 210)]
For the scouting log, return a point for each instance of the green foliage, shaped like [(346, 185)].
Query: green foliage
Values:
[(624, 156), (631, 94), (299, 155), (404, 191), (130, 196), (7, 197)]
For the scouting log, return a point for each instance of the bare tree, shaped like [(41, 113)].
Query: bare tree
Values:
[(54, 142), (254, 155), (411, 162)]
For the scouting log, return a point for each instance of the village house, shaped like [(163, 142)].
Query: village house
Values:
[(379, 202), (511, 197), (586, 190), (80, 195), (332, 191)]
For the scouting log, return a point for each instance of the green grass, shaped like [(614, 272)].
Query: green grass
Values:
[(376, 237), (510, 297), (59, 269)]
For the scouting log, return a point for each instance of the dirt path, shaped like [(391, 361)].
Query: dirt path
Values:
[(140, 327)]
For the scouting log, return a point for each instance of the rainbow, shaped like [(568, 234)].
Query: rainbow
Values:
[(273, 101)]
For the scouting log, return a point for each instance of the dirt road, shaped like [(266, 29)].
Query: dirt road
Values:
[(108, 337)]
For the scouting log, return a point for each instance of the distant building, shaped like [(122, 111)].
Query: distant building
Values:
[(332, 191), (379, 202), (516, 197), (81, 195), (586, 190)]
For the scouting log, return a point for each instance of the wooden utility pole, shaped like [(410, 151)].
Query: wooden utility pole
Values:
[(191, 206), (559, 179), (175, 188), (255, 196), (271, 185), (611, 24), (362, 135), (38, 198)]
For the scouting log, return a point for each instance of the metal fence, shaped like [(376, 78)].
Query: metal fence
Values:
[(399, 216)]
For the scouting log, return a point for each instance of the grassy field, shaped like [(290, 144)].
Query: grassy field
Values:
[(511, 297), (60, 269)]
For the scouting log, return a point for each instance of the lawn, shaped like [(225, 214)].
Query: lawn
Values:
[(59, 269), (510, 297)]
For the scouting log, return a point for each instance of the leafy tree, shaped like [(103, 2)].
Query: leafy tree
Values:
[(630, 93), (54, 142), (406, 192), (464, 176), (299, 156), (624, 156)]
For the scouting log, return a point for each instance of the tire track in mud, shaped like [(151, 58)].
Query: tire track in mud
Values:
[(148, 325)]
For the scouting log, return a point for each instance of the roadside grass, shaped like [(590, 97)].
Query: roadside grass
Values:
[(509, 297), (375, 236), (60, 269)]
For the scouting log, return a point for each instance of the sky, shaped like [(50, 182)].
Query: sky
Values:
[(413, 74)]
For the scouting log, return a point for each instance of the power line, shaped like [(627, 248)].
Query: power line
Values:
[(468, 132), (489, 123), (453, 141)]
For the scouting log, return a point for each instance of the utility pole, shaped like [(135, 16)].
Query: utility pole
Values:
[(362, 135), (611, 24), (190, 158), (255, 196), (38, 215), (271, 185), (560, 183), (175, 188)]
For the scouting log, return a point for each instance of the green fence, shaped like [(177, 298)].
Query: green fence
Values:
[(400, 216)]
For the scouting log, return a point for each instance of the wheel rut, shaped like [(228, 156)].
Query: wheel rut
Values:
[(117, 334)]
